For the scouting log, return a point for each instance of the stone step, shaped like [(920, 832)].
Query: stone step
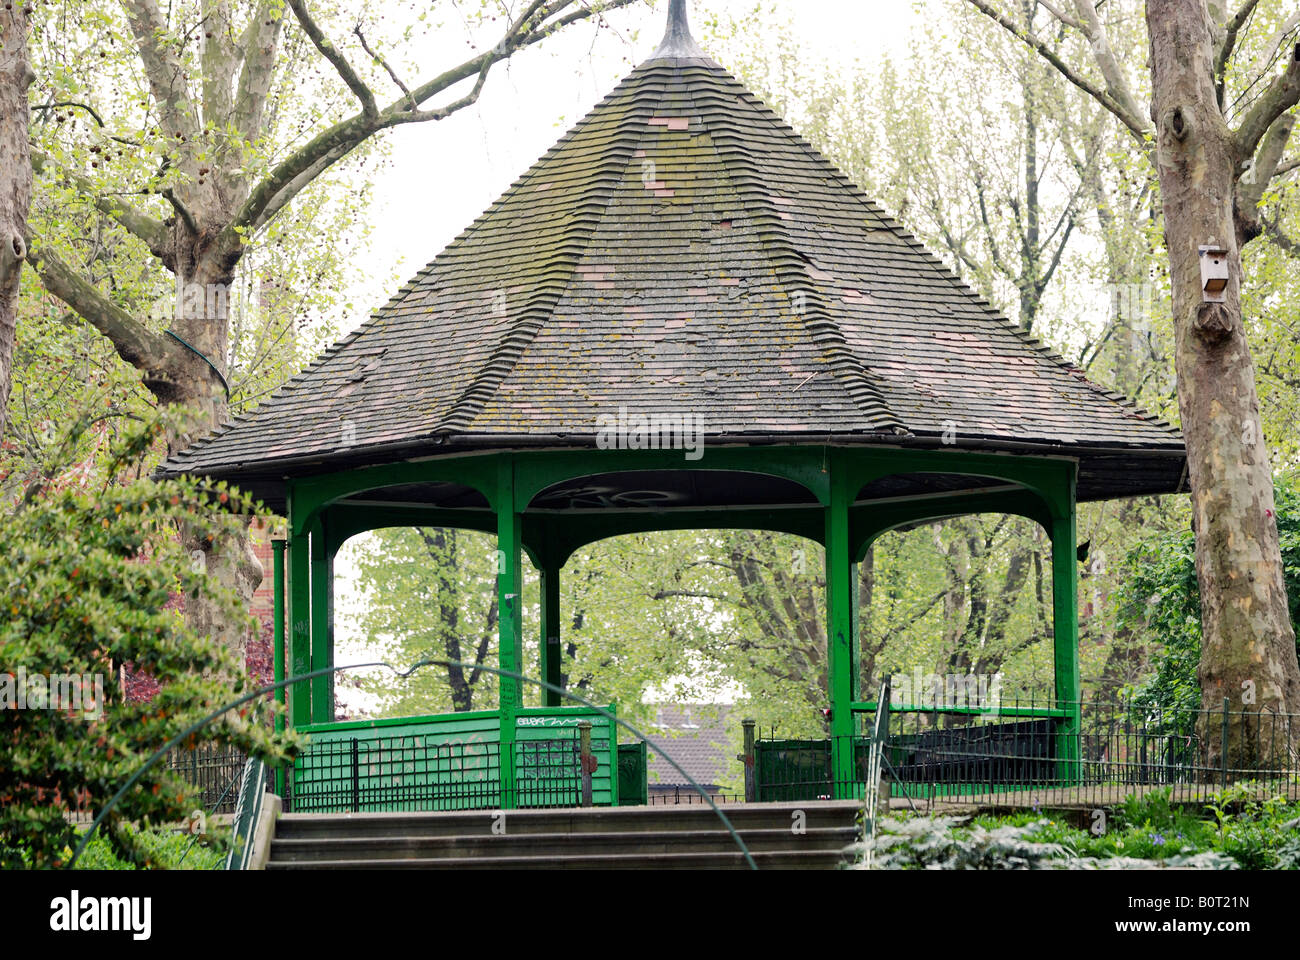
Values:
[(813, 814), (771, 860), (352, 848)]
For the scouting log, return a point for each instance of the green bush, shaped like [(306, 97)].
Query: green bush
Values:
[(1237, 829), (90, 576), (165, 850)]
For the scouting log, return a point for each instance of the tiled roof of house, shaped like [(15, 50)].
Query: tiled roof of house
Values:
[(696, 738), (683, 250)]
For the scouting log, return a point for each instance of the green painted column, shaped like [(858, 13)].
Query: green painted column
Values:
[(839, 629), (277, 641), (551, 665), (1065, 629), (510, 581), (855, 598), (322, 625), (299, 627)]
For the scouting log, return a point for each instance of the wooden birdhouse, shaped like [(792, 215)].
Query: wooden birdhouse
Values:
[(1214, 273)]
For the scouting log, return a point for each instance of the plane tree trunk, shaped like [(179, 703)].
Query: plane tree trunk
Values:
[(15, 183), (1248, 649)]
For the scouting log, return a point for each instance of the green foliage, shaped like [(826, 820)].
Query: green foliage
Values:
[(967, 595), (165, 850), (1160, 596), (934, 843), (1238, 828), (93, 577), (429, 592)]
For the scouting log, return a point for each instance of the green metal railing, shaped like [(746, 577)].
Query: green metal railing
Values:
[(407, 772), (248, 812), (875, 763)]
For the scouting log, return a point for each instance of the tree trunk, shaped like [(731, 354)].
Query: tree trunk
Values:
[(195, 381), (15, 184), (1248, 654)]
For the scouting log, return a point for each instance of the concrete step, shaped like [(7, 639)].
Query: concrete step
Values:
[(779, 816), (772, 860), (623, 843), (630, 838)]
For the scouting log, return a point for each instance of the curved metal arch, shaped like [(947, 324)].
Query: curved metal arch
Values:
[(536, 472), (309, 497), (1052, 480), (808, 525), (342, 525), (866, 528)]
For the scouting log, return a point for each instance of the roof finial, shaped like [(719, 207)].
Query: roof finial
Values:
[(678, 42)]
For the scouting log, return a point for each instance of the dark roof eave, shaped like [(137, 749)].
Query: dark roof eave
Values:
[(433, 447)]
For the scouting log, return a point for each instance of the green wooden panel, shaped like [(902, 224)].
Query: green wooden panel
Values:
[(560, 726), (455, 762), (633, 775), (449, 762)]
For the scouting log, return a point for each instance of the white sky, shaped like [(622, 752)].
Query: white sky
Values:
[(443, 175)]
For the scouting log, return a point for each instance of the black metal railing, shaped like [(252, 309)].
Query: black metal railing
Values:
[(1069, 753), (684, 795), (214, 771), (792, 770)]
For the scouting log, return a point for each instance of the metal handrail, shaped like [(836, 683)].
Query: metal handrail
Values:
[(248, 812), (875, 754)]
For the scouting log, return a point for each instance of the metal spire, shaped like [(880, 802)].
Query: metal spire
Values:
[(678, 42)]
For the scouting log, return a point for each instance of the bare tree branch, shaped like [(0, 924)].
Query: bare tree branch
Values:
[(182, 211), (1061, 15), (293, 173), (1264, 165), (1229, 44), (1284, 241), (334, 56), (258, 44), (177, 111), (1280, 36), (1130, 119), (1282, 94), (384, 63), (1117, 85), (218, 59)]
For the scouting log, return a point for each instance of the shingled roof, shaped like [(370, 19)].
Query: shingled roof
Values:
[(683, 250)]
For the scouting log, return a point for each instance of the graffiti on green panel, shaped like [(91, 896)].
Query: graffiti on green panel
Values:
[(548, 748)]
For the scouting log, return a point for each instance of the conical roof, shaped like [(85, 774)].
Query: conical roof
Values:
[(683, 250)]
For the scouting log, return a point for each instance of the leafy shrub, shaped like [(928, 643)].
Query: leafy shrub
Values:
[(933, 843), (89, 577), (165, 850), (1237, 829)]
